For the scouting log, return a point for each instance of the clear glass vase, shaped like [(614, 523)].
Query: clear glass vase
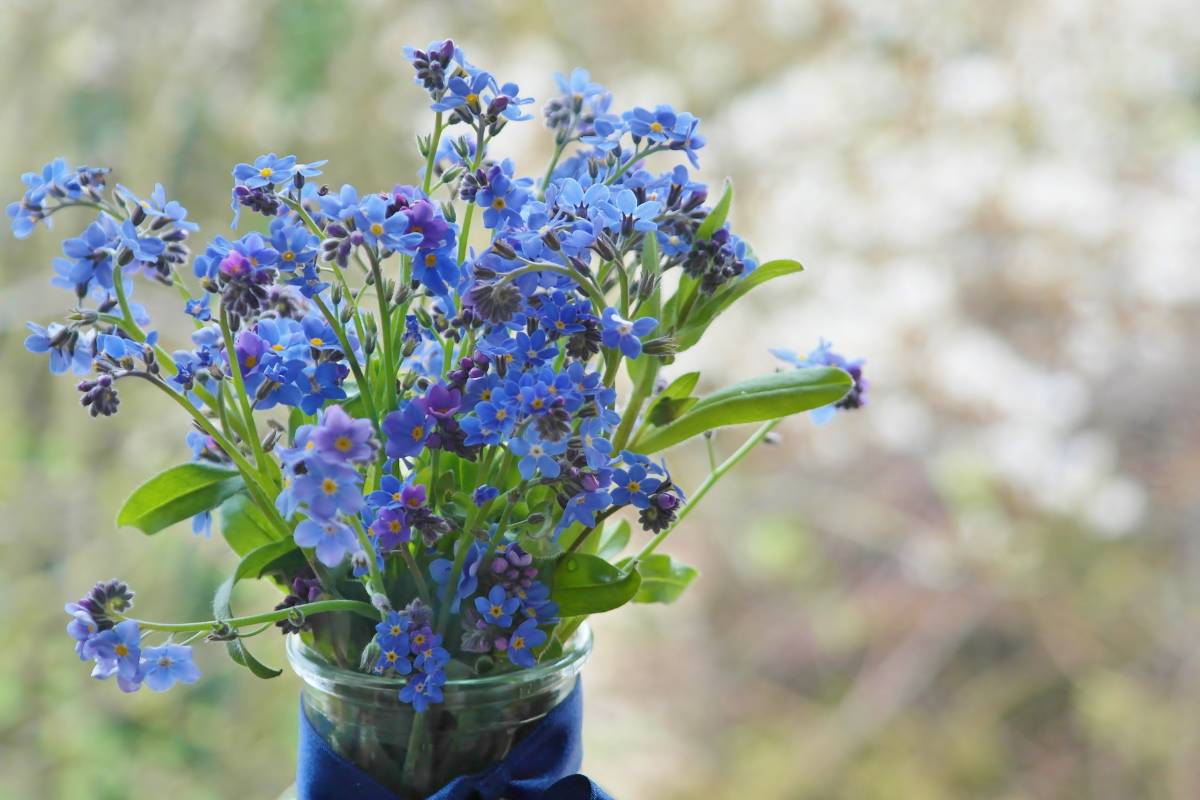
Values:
[(362, 719)]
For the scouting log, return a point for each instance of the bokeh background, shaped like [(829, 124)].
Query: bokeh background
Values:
[(985, 585)]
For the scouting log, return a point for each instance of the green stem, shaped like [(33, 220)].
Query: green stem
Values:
[(255, 481), (431, 156), (318, 607), (123, 302), (704, 488), (641, 390), (411, 563), (239, 384), (633, 159), (385, 322), (558, 151), (364, 541), (364, 388), (464, 235)]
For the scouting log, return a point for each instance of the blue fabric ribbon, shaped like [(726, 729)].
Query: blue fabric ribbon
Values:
[(539, 767)]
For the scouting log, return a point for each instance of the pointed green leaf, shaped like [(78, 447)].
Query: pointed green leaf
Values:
[(716, 218), (585, 584), (177, 494), (614, 539), (704, 312), (244, 525), (663, 578), (674, 400), (260, 559), (770, 397)]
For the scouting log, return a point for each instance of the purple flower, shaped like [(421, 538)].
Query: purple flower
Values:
[(441, 401), (163, 666), (625, 334), (328, 488), (407, 430), (497, 608), (391, 526), (522, 641), (331, 539), (341, 439)]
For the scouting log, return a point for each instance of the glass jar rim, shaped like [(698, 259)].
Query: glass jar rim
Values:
[(312, 667)]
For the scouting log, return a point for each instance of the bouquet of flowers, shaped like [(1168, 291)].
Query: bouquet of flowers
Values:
[(404, 404)]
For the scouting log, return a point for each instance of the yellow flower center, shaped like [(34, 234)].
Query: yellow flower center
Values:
[(266, 172), (430, 259), (538, 402), (391, 656), (121, 650), (395, 497), (376, 229), (316, 341), (518, 643), (276, 347), (329, 486), (417, 432), (251, 360), (343, 443), (394, 526), (496, 611), (288, 255), (165, 661), (472, 98), (501, 414), (498, 203), (656, 126), (395, 630)]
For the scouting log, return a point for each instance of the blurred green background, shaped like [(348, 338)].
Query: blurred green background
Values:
[(986, 585)]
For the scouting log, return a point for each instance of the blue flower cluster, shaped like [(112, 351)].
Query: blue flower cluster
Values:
[(408, 646), (114, 644), (437, 378), (509, 606)]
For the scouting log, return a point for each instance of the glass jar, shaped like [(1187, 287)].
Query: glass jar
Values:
[(362, 719)]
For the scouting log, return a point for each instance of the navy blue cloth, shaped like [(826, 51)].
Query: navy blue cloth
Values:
[(539, 767)]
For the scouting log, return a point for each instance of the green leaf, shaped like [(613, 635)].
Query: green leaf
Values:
[(769, 397), (704, 312), (221, 611), (663, 578), (614, 539), (716, 218), (586, 584), (260, 559), (177, 494), (674, 400), (244, 525)]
